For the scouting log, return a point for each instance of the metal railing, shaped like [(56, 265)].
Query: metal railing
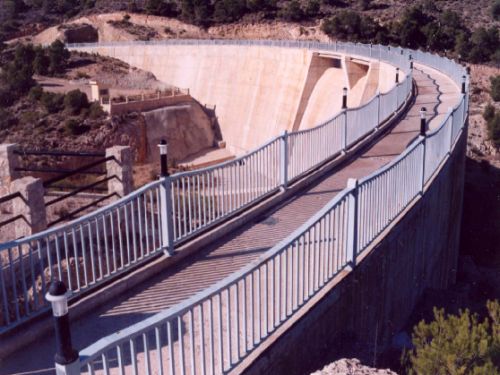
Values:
[(82, 254), (214, 330), (161, 215)]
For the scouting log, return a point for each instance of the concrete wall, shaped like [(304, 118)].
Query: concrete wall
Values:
[(373, 302), (186, 127)]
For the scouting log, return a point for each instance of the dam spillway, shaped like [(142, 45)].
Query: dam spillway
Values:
[(259, 92)]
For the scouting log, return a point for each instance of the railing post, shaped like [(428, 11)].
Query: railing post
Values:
[(344, 138), (450, 119), (378, 108), (167, 224), (423, 128), (284, 160), (67, 361), (120, 170), (352, 221), (31, 206), (8, 163)]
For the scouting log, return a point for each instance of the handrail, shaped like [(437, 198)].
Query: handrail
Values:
[(90, 154), (88, 217)]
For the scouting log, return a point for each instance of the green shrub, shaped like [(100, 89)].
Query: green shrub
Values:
[(35, 93), (41, 62), (229, 10), (132, 6), (494, 129), (292, 11), (71, 126), (312, 9), (483, 44), (495, 88), (52, 102), (495, 10), (29, 117), (58, 57), (161, 8), (349, 25), (457, 345), (6, 98), (75, 101), (96, 111), (489, 112)]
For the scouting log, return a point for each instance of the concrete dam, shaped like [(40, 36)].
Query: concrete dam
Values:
[(327, 234), (259, 92)]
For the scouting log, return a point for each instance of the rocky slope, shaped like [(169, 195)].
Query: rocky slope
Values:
[(350, 367)]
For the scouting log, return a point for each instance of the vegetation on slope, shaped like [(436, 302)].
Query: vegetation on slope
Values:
[(457, 344)]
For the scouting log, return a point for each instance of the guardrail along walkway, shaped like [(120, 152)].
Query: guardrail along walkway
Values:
[(434, 91)]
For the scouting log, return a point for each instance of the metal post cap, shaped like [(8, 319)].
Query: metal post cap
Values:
[(57, 288), (163, 147), (423, 111)]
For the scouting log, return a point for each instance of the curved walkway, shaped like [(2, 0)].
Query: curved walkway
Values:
[(434, 91)]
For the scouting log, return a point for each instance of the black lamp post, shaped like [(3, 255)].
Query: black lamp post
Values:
[(344, 98), (397, 75), (163, 158), (57, 296), (464, 78), (423, 125)]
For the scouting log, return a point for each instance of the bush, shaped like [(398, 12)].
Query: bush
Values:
[(349, 25), (75, 101), (410, 30), (457, 344), (494, 129), (495, 10), (489, 112), (132, 6), (72, 127), (96, 111), (161, 8), (292, 11), (483, 44), (35, 93), (41, 62), (6, 98), (58, 57), (495, 88), (229, 10), (313, 9), (29, 117), (52, 102)]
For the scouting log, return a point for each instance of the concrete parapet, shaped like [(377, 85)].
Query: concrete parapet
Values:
[(31, 206), (8, 163), (121, 169)]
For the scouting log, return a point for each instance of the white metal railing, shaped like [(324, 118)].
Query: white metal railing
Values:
[(99, 246), (213, 331)]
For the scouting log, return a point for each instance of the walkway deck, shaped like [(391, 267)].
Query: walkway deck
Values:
[(435, 91)]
